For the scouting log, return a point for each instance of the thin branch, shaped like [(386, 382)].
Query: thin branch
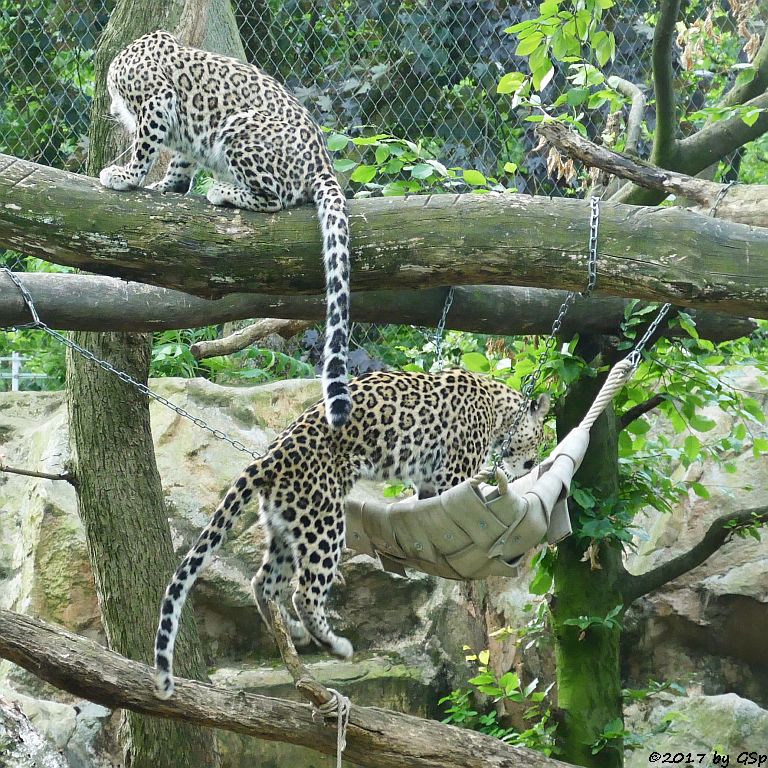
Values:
[(640, 409), (377, 738), (720, 532), (44, 475), (738, 94), (305, 682), (664, 141), (636, 111), (645, 174), (246, 336)]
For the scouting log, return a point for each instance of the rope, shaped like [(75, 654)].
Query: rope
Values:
[(340, 706), (619, 375)]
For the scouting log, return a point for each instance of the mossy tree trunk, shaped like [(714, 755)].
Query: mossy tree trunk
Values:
[(588, 673), (120, 497)]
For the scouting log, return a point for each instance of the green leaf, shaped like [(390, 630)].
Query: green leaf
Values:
[(510, 82), (510, 167), (576, 96), (484, 657), (475, 362), (752, 407), (692, 447), (700, 490), (529, 44), (474, 178), (541, 582), (343, 164), (382, 153), (701, 423), (422, 171), (363, 173), (337, 141), (760, 445)]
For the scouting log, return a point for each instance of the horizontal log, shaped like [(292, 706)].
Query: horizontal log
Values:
[(95, 303), (377, 738), (417, 242)]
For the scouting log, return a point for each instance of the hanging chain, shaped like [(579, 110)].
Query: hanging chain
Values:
[(636, 355), (529, 382), (37, 323), (440, 330)]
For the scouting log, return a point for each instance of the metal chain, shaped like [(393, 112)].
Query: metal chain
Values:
[(529, 382), (124, 377), (440, 330), (636, 355)]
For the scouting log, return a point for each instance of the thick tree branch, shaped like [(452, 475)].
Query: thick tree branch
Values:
[(739, 94), (718, 534), (664, 137), (746, 204), (93, 303), (417, 242), (638, 410), (377, 738), (243, 338)]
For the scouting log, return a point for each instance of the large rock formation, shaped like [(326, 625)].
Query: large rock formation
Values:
[(703, 631)]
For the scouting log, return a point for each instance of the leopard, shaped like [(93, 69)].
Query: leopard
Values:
[(429, 430), (261, 145)]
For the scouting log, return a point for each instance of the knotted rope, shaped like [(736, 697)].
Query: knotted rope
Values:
[(340, 706)]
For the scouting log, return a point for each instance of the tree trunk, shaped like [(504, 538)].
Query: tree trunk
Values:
[(120, 497), (588, 674)]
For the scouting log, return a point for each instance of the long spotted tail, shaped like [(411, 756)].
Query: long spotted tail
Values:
[(196, 561), (334, 224)]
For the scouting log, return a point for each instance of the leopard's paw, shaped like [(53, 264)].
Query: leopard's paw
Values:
[(115, 177)]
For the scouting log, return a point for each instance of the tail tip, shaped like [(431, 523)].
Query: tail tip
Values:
[(338, 411), (164, 687)]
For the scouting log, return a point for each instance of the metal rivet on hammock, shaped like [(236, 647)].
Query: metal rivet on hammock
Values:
[(449, 536), (356, 535), (483, 524), (418, 547)]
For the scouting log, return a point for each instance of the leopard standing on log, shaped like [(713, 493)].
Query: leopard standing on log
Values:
[(262, 146), (433, 430)]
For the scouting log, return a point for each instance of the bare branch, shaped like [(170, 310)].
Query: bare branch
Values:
[(377, 738), (639, 410), (44, 475), (636, 111), (718, 534), (246, 336)]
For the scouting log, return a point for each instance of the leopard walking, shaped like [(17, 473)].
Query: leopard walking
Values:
[(432, 430), (265, 152)]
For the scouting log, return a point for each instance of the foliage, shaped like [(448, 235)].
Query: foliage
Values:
[(460, 709)]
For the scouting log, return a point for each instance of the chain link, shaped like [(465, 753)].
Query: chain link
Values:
[(531, 380), (440, 330), (37, 323), (636, 355)]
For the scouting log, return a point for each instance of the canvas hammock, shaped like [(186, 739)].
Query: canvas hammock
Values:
[(475, 529)]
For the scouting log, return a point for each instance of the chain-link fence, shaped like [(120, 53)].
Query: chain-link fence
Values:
[(421, 70)]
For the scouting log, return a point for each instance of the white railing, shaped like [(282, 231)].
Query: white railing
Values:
[(16, 372)]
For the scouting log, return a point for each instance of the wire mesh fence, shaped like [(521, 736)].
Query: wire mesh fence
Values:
[(422, 70)]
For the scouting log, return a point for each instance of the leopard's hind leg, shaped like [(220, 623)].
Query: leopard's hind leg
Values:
[(318, 548), (272, 582)]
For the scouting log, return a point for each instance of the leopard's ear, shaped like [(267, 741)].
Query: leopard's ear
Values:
[(540, 407)]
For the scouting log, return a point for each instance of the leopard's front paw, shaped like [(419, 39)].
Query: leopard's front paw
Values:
[(115, 177)]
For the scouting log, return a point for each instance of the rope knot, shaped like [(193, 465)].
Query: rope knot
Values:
[(340, 706)]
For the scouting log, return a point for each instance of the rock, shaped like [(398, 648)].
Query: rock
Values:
[(707, 629), (21, 745), (726, 724)]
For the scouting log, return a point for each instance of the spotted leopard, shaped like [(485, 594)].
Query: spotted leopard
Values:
[(432, 430), (264, 149)]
